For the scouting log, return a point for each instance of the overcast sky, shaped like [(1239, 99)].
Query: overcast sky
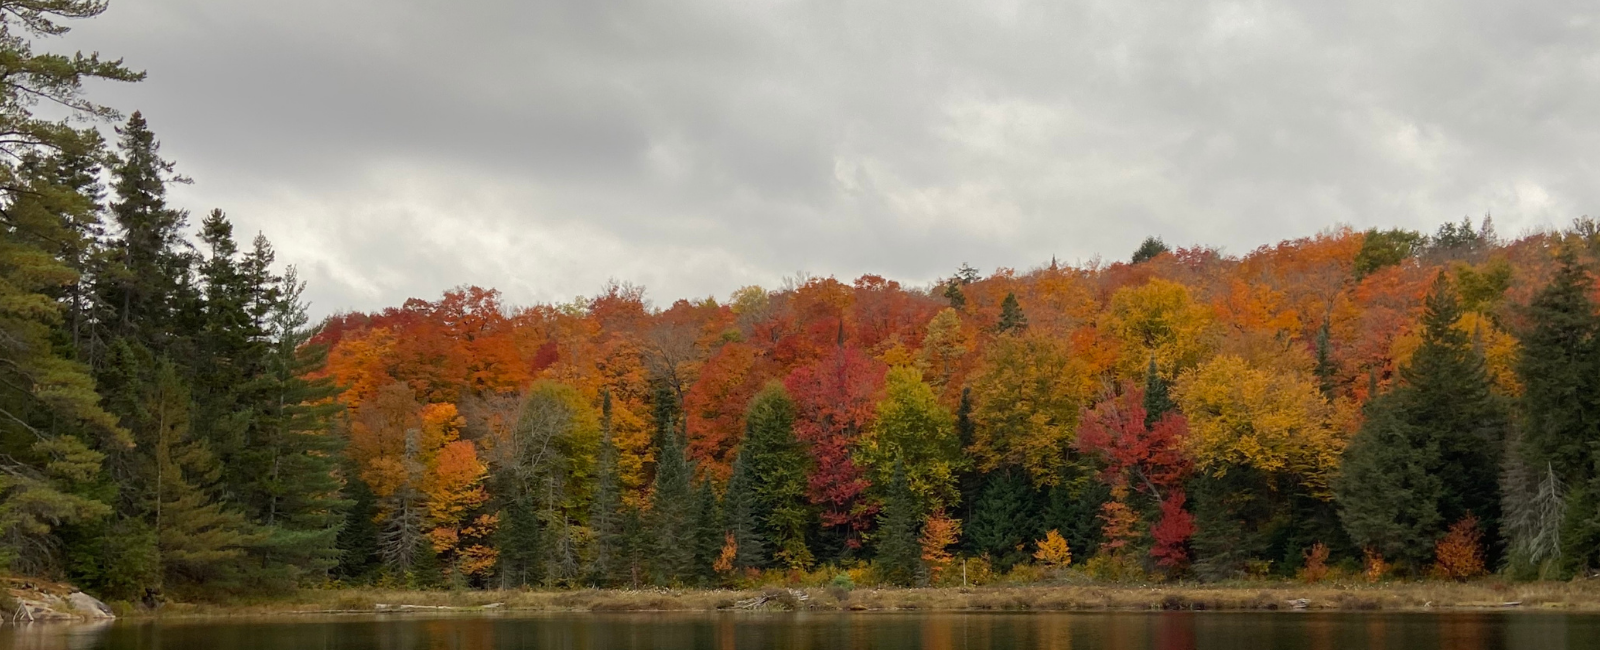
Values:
[(397, 148)]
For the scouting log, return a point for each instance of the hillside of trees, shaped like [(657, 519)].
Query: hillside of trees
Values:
[(172, 425)]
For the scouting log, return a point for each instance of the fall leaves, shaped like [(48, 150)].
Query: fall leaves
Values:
[(1189, 368)]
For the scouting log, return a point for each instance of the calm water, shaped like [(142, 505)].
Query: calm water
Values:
[(984, 631)]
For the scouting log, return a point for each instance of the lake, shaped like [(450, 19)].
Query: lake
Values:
[(805, 631)]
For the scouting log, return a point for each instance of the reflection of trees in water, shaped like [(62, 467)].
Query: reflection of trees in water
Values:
[(55, 636)]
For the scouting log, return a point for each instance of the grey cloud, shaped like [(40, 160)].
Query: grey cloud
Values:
[(397, 148)]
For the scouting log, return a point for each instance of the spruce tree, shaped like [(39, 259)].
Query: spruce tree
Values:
[(1148, 250), (1387, 491), (1325, 369), (1560, 372), (1012, 320), (150, 285), (708, 532), (899, 556), (1157, 396), (1429, 452), (1451, 401), (608, 563), (672, 514), (777, 466), (741, 506), (1558, 369), (293, 488), (1003, 518)]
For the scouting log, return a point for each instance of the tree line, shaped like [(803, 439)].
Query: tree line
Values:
[(1384, 402), (161, 433)]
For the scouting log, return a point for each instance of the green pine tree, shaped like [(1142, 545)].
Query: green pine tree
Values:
[(672, 513), (53, 430), (899, 556), (1560, 372), (608, 563), (1148, 250), (1429, 452), (1388, 494), (777, 467), (293, 487), (742, 508), (1325, 370), (1002, 518), (1157, 395), (1012, 320), (708, 532)]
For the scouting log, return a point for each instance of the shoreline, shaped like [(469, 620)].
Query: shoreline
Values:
[(1577, 596)]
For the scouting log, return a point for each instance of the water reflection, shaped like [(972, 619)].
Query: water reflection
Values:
[(900, 631)]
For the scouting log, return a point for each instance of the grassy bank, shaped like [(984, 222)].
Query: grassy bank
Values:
[(1409, 596)]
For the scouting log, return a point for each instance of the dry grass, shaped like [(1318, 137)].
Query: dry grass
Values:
[(1576, 596)]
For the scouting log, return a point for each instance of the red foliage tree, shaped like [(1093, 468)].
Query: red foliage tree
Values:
[(1151, 459), (836, 399), (1171, 533), (715, 408)]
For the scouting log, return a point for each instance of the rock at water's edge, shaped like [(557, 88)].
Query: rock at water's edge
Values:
[(88, 606)]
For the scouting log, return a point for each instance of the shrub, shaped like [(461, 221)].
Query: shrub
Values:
[(1459, 555), (1316, 567), (1054, 551), (1373, 566)]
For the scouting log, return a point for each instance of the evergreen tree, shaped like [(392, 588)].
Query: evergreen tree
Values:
[(357, 542), (1389, 497), (1003, 518), (708, 532), (50, 416), (777, 467), (199, 540), (53, 430), (899, 559), (1012, 320), (607, 565), (672, 513), (1072, 507), (1560, 372), (1434, 441), (1325, 369), (292, 487), (1148, 250), (230, 350), (742, 507), (1558, 369), (1157, 396), (150, 284), (1451, 401)]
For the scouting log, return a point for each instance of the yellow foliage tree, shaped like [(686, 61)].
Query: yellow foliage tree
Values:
[(1053, 550), (943, 348), (913, 427), (938, 534), (1271, 421), (1158, 319), (1027, 395)]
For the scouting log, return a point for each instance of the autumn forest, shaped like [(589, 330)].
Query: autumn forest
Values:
[(1377, 404)]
